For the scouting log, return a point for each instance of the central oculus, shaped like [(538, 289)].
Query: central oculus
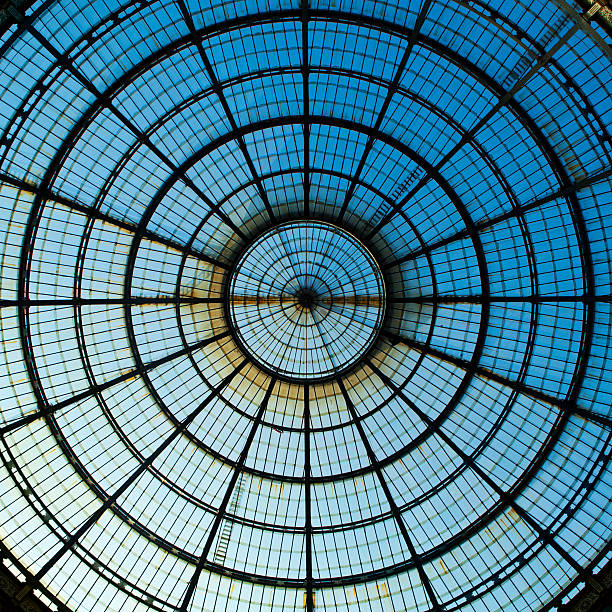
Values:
[(306, 300)]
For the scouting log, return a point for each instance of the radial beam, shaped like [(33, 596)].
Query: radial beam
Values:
[(510, 214), (501, 299), (469, 461), (397, 515), (306, 101), (474, 369), (218, 89), (154, 300), (593, 417), (112, 499), (592, 11), (94, 213), (83, 395), (391, 90), (193, 583), (515, 385), (310, 604)]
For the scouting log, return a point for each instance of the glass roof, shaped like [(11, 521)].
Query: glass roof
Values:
[(305, 306)]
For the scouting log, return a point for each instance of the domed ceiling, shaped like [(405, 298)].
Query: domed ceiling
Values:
[(305, 306)]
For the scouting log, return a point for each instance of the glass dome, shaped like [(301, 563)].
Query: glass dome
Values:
[(305, 306)]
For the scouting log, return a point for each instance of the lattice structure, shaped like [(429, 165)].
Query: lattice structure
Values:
[(305, 305)]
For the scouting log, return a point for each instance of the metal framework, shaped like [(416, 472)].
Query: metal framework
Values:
[(305, 305)]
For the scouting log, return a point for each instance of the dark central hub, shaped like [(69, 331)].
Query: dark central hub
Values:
[(306, 298)]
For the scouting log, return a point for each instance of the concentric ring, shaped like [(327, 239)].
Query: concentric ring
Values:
[(306, 300)]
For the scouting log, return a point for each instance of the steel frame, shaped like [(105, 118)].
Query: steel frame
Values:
[(43, 192)]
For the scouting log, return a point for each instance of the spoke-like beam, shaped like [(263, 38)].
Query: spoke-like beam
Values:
[(193, 583), (218, 89), (392, 89), (474, 369), (112, 499), (306, 108), (83, 395), (582, 20), (93, 213), (471, 133), (310, 604), (510, 214), (502, 299), (397, 515), (469, 461), (515, 385), (141, 137), (593, 417), (126, 301)]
